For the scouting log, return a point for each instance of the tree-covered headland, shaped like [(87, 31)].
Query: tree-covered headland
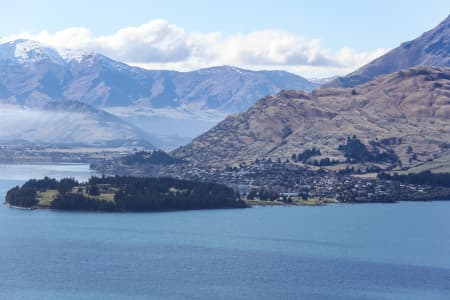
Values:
[(121, 193)]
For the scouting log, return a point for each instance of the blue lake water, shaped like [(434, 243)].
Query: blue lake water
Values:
[(366, 251)]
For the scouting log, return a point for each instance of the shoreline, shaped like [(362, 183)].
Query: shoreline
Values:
[(43, 163), (251, 204), (20, 207)]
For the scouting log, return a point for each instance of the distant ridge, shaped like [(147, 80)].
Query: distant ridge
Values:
[(430, 49), (69, 123), (28, 67)]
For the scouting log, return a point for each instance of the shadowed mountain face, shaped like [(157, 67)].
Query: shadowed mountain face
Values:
[(32, 74), (69, 123), (430, 49), (407, 112)]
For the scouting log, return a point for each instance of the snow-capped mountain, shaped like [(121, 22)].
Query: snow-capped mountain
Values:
[(33, 74), (95, 79), (28, 52)]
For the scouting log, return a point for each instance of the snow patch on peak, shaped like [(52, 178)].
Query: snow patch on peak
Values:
[(28, 51), (90, 58), (221, 69)]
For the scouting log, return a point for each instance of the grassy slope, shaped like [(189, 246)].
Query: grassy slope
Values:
[(107, 193)]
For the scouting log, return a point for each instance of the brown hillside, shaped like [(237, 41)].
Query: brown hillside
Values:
[(407, 108)]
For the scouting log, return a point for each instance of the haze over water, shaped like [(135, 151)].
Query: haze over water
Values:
[(364, 251)]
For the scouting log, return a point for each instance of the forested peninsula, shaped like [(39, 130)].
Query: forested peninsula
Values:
[(120, 193)]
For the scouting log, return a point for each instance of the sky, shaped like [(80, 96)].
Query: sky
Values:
[(311, 38)]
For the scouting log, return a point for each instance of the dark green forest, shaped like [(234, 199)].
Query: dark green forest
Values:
[(157, 157), (22, 197), (356, 152)]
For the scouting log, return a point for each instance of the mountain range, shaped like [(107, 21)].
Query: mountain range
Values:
[(163, 103), (430, 49)]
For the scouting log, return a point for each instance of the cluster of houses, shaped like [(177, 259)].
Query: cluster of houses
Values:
[(291, 181)]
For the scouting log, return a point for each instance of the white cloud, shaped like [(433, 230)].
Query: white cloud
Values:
[(270, 47), (73, 38), (157, 41), (162, 45)]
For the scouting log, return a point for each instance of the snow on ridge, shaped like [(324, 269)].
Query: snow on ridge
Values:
[(80, 55), (220, 69), (25, 51), (75, 54)]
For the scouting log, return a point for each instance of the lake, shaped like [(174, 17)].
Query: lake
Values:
[(363, 251)]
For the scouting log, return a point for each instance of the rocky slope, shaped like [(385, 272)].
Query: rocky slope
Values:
[(405, 113), (430, 49)]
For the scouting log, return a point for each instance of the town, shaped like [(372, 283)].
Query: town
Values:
[(276, 180)]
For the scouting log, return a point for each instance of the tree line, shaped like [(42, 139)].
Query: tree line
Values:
[(306, 154), (423, 178), (356, 152)]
